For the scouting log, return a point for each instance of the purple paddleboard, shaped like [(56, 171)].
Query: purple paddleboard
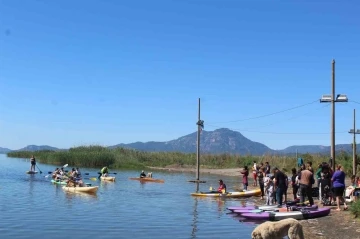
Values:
[(276, 216)]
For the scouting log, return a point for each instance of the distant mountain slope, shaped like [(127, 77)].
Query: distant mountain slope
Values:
[(217, 141), (38, 148), (4, 150)]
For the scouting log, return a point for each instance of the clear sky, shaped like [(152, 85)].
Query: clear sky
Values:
[(109, 72)]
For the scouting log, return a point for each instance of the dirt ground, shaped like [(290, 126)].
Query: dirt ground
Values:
[(338, 225)]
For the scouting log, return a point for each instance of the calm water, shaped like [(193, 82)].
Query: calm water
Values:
[(32, 207)]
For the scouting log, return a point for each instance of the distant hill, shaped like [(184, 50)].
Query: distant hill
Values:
[(4, 150), (215, 142), (38, 148), (218, 141)]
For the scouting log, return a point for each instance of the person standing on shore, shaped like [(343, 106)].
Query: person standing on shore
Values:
[(338, 180), (245, 173), (267, 168), (33, 163), (260, 176), (306, 180), (280, 185), (255, 171), (294, 183)]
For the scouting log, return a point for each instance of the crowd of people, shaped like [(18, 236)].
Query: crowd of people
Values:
[(304, 181), (72, 178)]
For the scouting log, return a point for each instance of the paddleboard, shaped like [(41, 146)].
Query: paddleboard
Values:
[(31, 172), (276, 216)]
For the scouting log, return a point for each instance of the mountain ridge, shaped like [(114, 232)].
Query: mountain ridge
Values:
[(219, 141)]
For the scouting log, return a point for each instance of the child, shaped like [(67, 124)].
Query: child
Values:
[(269, 190)]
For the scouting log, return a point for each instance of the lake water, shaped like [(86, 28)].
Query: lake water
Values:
[(32, 207)]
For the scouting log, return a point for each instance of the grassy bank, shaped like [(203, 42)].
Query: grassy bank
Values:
[(98, 156)]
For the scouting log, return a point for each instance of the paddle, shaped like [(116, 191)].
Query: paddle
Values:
[(38, 168), (93, 179)]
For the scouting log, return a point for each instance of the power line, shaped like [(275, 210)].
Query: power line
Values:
[(261, 116), (292, 133), (291, 118), (354, 102)]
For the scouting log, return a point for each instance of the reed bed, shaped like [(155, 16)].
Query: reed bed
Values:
[(98, 156)]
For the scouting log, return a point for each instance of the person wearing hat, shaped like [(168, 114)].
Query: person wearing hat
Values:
[(142, 174), (280, 185), (222, 187)]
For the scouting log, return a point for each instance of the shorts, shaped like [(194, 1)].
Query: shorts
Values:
[(33, 163), (339, 192), (255, 175)]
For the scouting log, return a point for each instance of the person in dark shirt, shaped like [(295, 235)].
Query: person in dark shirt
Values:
[(294, 184), (267, 168), (142, 174), (280, 185)]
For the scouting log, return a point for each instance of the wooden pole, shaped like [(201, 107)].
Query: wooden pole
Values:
[(333, 116), (354, 147), (198, 146)]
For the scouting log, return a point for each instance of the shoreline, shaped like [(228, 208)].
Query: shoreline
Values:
[(232, 172)]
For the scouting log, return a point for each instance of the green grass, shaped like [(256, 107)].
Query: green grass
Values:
[(97, 156)]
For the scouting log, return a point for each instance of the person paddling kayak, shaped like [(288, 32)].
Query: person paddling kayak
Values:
[(104, 171), (222, 187), (33, 163), (142, 174)]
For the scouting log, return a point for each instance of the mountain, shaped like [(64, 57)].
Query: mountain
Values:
[(218, 141), (4, 150), (38, 148)]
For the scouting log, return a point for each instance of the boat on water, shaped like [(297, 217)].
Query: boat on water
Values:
[(256, 192), (148, 179), (31, 172), (87, 189), (277, 216), (107, 178), (58, 182)]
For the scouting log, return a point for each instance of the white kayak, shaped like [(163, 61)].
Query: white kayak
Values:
[(108, 178), (92, 189)]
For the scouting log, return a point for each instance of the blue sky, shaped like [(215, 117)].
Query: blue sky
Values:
[(108, 72)]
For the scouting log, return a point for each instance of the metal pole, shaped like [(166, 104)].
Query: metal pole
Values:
[(198, 147), (354, 148), (333, 115)]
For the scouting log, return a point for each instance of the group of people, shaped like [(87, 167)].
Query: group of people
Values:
[(72, 178)]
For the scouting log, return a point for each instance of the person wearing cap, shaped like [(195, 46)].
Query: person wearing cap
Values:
[(280, 185), (142, 174), (222, 187)]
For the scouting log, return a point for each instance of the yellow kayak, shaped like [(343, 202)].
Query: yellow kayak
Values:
[(256, 192), (108, 178), (92, 189), (147, 179)]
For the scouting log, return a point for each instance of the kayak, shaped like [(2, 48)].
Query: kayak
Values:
[(92, 189), (58, 182), (249, 193), (108, 178), (276, 216), (292, 208), (31, 172), (146, 179)]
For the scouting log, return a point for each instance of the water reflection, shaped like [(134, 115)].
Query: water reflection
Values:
[(195, 213)]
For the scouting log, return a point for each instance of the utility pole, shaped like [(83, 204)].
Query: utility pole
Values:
[(198, 144), (354, 131), (332, 99), (200, 126)]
